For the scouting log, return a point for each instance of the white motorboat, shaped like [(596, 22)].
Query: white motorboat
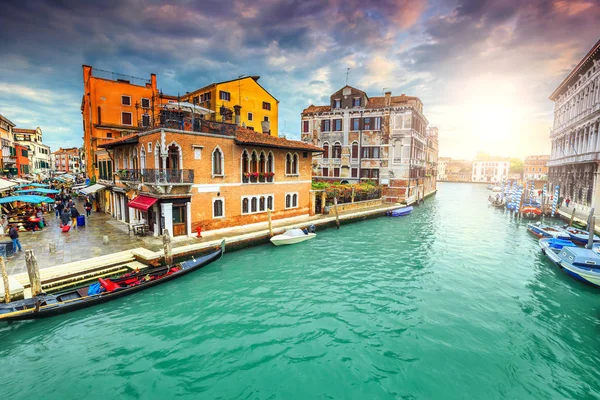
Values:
[(292, 236)]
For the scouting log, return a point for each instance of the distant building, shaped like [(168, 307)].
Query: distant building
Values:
[(458, 170), (242, 101), (39, 153), (66, 160), (431, 160), (9, 155), (441, 169), (535, 168), (489, 171), (575, 153), (379, 138)]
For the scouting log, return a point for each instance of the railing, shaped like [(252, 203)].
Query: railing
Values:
[(157, 176), (336, 161), (258, 177), (114, 76), (184, 121), (324, 160)]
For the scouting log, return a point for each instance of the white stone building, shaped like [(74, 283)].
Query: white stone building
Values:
[(39, 153), (383, 139), (490, 171), (575, 152), (441, 167)]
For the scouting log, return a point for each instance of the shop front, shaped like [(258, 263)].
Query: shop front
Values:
[(158, 213)]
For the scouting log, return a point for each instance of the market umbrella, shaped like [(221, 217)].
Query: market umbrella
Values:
[(27, 199), (39, 190)]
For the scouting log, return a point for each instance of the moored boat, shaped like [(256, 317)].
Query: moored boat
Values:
[(46, 305), (579, 236), (580, 263), (400, 212), (292, 236), (552, 246), (531, 212), (546, 231)]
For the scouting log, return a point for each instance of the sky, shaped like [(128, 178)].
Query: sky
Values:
[(483, 69)]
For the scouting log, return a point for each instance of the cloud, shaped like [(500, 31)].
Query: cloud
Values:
[(449, 53)]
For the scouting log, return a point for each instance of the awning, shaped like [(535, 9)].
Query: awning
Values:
[(142, 202), (92, 189), (27, 199), (189, 107), (5, 185)]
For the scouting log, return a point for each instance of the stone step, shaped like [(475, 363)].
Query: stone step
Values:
[(16, 289)]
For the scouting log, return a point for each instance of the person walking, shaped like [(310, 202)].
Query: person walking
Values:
[(567, 201), (65, 217), (13, 233), (88, 207), (60, 206), (74, 215), (56, 211)]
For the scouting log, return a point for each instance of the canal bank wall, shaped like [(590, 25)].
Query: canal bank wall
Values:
[(61, 277)]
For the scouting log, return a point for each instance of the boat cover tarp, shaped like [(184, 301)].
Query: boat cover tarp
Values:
[(294, 233)]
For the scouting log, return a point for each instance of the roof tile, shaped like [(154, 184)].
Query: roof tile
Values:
[(247, 136)]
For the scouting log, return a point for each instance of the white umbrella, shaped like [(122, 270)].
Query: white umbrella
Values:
[(193, 108)]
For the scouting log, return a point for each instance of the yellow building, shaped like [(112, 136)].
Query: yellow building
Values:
[(257, 110)]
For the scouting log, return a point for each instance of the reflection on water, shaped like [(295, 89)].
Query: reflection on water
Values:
[(453, 301)]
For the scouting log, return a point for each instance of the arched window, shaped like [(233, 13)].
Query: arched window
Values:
[(262, 164), (354, 150), (173, 156), (288, 200), (325, 150), (294, 200), (295, 164), (134, 162), (142, 158), (261, 203), (254, 204), (245, 206), (270, 203), (270, 164), (254, 162), (217, 162), (337, 150), (288, 164), (245, 166)]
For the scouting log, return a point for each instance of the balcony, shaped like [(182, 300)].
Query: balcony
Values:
[(255, 177), (157, 176), (336, 161)]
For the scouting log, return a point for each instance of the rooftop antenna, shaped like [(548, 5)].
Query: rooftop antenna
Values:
[(383, 91), (347, 73)]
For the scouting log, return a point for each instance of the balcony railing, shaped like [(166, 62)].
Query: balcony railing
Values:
[(260, 178), (184, 121), (157, 176)]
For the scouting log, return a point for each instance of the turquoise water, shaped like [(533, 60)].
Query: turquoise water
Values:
[(454, 301)]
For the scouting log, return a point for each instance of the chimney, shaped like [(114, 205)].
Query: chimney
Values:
[(153, 81), (388, 99), (237, 110)]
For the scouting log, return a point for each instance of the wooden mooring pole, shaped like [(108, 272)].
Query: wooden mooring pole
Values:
[(572, 217), (33, 270), (270, 222), (337, 216), (167, 248), (5, 279)]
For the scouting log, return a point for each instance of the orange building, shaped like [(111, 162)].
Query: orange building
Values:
[(22, 163), (114, 105), (536, 168), (216, 176)]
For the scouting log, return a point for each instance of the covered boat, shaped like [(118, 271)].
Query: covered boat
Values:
[(579, 236), (292, 236), (552, 246), (546, 231), (400, 212), (47, 305), (531, 212), (581, 264)]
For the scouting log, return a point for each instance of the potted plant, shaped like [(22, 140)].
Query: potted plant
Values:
[(246, 177), (269, 176), (253, 176)]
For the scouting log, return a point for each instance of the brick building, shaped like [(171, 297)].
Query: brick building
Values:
[(212, 176), (383, 139), (66, 160), (536, 168)]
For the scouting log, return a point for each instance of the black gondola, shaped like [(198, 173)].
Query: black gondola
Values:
[(48, 305)]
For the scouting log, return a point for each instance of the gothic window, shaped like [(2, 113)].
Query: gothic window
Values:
[(217, 162)]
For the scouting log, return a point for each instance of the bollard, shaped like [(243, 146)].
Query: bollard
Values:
[(337, 216), (572, 217), (167, 247), (105, 239), (52, 247), (270, 222), (5, 279), (33, 270)]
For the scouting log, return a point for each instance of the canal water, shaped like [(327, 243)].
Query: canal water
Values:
[(454, 301)]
